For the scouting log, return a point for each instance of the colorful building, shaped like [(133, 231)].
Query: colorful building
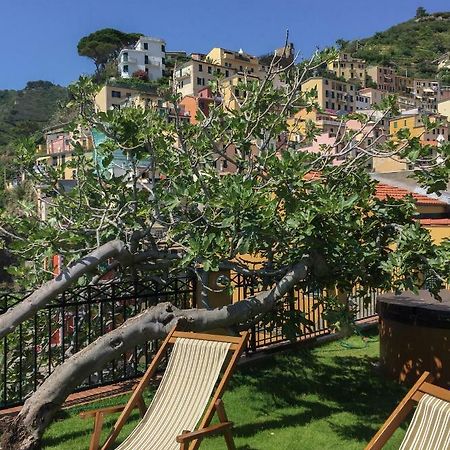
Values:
[(383, 77), (195, 75), (199, 106), (413, 121), (237, 61), (349, 68), (58, 150), (147, 55), (332, 95), (432, 213), (114, 93), (375, 95)]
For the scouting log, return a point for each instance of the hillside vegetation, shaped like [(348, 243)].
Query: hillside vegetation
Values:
[(28, 110), (409, 46)]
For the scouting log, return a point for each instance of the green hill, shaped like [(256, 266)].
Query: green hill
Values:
[(409, 46), (28, 110)]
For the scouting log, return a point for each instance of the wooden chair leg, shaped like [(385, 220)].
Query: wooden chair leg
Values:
[(141, 405), (222, 415), (185, 445), (98, 424)]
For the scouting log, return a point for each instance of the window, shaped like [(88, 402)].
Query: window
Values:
[(125, 57), (116, 94), (225, 164), (332, 106), (209, 69), (54, 161), (326, 81), (227, 73), (63, 159), (146, 59), (128, 95), (200, 68), (163, 48), (146, 70), (327, 105), (241, 68), (200, 81), (395, 125), (125, 68), (327, 93), (145, 45), (163, 60)]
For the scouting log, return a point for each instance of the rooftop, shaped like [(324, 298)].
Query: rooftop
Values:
[(385, 190)]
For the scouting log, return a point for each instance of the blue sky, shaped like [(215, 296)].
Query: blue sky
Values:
[(39, 37)]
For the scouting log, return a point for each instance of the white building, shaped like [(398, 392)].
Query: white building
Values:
[(362, 101), (148, 54)]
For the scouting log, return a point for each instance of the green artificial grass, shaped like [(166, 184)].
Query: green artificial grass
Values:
[(324, 397)]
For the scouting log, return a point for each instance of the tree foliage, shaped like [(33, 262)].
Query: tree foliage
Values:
[(309, 219), (105, 44)]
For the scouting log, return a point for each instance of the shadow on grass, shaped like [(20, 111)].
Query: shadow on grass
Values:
[(320, 384)]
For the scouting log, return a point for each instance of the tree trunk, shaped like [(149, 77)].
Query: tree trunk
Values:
[(24, 432)]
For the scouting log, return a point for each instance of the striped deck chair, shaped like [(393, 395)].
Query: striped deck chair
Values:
[(430, 426), (187, 398)]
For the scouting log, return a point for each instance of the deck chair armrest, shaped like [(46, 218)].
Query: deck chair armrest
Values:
[(208, 431), (105, 410)]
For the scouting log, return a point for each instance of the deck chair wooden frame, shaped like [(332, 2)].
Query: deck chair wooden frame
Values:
[(420, 388), (188, 439)]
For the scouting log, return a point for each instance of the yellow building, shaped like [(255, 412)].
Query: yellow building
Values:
[(351, 69), (332, 95), (196, 74), (237, 61), (114, 94), (414, 123), (432, 213), (444, 109), (231, 90), (326, 122)]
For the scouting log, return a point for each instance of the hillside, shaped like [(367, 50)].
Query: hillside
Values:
[(28, 110), (409, 46)]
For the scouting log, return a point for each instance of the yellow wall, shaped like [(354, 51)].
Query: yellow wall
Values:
[(444, 109), (105, 101), (438, 233), (234, 60)]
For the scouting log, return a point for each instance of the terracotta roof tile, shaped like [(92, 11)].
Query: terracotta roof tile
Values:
[(435, 222), (384, 190)]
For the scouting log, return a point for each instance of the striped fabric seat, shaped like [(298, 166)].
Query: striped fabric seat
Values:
[(430, 426), (185, 389)]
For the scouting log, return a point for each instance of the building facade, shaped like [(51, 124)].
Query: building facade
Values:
[(195, 75), (237, 61), (114, 93), (383, 77), (332, 95), (349, 68), (147, 55)]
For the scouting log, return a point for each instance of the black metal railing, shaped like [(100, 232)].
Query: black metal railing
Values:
[(73, 320), (307, 304), (80, 315)]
